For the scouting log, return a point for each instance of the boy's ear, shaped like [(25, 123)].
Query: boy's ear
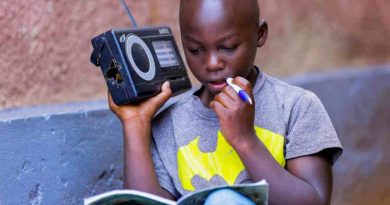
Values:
[(262, 33)]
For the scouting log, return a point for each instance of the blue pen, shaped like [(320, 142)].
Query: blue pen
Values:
[(240, 92)]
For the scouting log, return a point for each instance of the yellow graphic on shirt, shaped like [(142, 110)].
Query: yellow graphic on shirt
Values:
[(224, 161)]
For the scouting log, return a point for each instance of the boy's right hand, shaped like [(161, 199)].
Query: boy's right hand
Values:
[(143, 111)]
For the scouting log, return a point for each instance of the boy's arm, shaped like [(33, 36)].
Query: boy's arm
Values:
[(308, 179), (136, 120)]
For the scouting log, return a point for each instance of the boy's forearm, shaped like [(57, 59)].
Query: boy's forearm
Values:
[(139, 170), (285, 187)]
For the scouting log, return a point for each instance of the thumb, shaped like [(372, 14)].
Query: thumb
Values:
[(166, 92)]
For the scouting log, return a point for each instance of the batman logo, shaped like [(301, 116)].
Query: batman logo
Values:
[(224, 161)]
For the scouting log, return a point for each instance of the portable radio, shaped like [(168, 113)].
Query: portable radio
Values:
[(136, 62)]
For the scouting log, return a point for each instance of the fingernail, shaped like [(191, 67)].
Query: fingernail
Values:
[(167, 84)]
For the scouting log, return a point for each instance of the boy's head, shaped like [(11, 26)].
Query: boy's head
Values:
[(220, 39)]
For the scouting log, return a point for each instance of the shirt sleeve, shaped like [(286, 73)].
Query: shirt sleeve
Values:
[(164, 178), (310, 129)]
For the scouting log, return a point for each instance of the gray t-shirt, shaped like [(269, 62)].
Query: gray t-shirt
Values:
[(190, 153)]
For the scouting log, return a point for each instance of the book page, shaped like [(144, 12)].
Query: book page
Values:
[(121, 197)]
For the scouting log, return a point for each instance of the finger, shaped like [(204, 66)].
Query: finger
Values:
[(111, 102), (217, 107), (224, 99), (243, 83), (231, 93)]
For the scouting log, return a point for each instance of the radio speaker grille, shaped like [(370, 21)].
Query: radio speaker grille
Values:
[(140, 58)]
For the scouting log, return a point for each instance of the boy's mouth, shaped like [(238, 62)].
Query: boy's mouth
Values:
[(217, 85)]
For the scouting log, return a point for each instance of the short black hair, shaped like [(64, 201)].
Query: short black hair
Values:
[(251, 7)]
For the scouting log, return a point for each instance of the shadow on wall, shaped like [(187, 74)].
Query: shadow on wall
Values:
[(62, 153)]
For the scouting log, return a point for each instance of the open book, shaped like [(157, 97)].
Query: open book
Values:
[(257, 192)]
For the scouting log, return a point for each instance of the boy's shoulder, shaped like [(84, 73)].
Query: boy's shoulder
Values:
[(283, 91)]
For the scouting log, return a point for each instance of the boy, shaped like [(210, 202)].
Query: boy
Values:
[(213, 137)]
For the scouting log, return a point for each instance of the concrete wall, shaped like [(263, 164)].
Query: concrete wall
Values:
[(62, 153), (48, 156), (358, 104)]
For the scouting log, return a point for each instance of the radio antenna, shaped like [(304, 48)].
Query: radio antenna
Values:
[(124, 5)]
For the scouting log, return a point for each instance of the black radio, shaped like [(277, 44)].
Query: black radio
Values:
[(136, 62)]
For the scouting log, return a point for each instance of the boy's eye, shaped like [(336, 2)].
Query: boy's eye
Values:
[(228, 48), (195, 50)]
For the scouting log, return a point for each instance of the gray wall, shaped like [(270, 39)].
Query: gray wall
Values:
[(59, 158), (60, 154), (358, 103)]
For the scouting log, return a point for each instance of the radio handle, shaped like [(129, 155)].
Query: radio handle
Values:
[(98, 44)]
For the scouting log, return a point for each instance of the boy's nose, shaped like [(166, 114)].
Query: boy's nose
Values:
[(214, 62)]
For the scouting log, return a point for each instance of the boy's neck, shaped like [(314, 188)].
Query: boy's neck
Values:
[(252, 77)]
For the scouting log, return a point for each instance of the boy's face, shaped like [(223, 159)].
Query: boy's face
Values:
[(220, 40)]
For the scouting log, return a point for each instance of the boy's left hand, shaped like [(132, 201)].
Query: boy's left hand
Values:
[(236, 117)]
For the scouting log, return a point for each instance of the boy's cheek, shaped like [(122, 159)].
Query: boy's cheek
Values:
[(193, 60)]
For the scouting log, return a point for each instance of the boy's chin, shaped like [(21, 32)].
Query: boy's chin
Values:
[(213, 93)]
